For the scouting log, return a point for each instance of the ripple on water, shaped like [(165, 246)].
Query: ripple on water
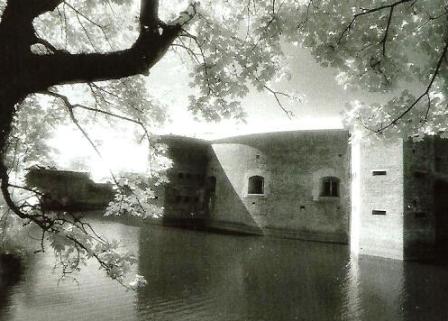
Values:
[(196, 276)]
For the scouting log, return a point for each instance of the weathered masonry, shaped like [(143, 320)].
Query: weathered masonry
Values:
[(385, 198), (400, 198), (288, 184)]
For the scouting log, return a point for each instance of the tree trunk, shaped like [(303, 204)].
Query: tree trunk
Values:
[(8, 101)]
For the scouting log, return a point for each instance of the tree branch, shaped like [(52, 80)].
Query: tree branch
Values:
[(370, 11), (424, 94), (62, 67)]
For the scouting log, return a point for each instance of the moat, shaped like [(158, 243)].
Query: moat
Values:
[(202, 276)]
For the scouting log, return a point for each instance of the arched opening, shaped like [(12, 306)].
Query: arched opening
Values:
[(329, 186), (255, 185)]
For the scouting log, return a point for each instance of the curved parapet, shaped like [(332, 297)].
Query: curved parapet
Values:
[(288, 184)]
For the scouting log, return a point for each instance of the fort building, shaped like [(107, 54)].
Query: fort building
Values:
[(384, 198), (399, 197)]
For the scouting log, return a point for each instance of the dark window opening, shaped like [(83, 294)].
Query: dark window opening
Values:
[(180, 175), (210, 188), (420, 173), (256, 185), (438, 163), (211, 184), (257, 156), (330, 186), (378, 212), (379, 173), (420, 214)]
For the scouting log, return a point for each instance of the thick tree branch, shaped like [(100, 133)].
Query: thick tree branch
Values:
[(424, 94), (149, 14), (63, 68)]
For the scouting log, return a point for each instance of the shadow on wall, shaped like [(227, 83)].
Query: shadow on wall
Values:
[(292, 184), (228, 210)]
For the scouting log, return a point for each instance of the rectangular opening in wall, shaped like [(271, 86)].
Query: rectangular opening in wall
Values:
[(420, 214), (379, 173), (378, 212)]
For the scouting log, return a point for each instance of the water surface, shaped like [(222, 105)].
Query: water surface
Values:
[(200, 276)]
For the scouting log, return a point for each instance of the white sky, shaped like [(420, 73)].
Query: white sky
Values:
[(322, 107)]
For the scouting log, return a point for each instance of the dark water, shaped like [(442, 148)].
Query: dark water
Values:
[(198, 276)]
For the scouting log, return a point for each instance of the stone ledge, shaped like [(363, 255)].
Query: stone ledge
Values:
[(328, 237)]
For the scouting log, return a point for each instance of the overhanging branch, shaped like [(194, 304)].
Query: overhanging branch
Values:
[(424, 94)]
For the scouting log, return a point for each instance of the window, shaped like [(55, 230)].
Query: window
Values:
[(211, 184), (420, 214), (379, 173), (378, 212), (256, 185), (330, 186)]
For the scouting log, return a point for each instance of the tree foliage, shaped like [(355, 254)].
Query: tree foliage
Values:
[(386, 46), (86, 61)]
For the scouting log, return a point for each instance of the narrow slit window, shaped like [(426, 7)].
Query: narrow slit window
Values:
[(378, 212), (379, 173), (420, 214), (256, 185), (330, 187)]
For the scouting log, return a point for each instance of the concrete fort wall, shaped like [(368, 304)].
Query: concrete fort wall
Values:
[(297, 169), (425, 197), (399, 197), (298, 185), (377, 203), (184, 197)]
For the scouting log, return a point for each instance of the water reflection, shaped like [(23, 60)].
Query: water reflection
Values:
[(199, 276)]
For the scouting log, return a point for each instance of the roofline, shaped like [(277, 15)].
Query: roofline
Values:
[(186, 138), (301, 131), (217, 140)]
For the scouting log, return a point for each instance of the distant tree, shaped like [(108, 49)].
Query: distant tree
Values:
[(104, 49)]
